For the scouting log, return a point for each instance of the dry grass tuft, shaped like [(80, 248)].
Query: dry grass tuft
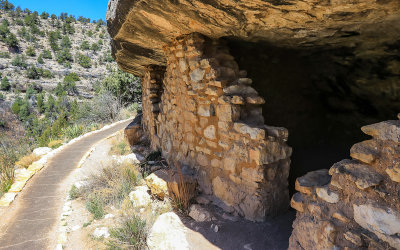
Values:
[(182, 194), (119, 146), (27, 160), (55, 144)]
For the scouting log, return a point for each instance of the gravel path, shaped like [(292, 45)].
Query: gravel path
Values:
[(29, 223)]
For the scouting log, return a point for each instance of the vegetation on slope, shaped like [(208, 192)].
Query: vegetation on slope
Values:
[(58, 81)]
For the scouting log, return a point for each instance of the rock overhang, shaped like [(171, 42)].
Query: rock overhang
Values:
[(140, 29)]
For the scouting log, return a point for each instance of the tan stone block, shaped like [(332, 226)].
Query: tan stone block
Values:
[(238, 100), (212, 91), (236, 179), (203, 160), (204, 110), (394, 172), (203, 122), (255, 133), (339, 216), (230, 164), (253, 174), (212, 144), (297, 202), (224, 113), (210, 132), (216, 163), (223, 125), (203, 150), (223, 144), (255, 156)]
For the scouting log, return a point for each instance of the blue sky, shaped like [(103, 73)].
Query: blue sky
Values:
[(94, 9)]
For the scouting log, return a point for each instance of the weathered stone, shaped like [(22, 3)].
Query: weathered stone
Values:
[(257, 100), (308, 182), (197, 75), (340, 217), (362, 175), (364, 151), (240, 90), (199, 214), (394, 172), (387, 130), (325, 194), (210, 132), (238, 100), (255, 133), (204, 110), (353, 238), (134, 131), (168, 232), (297, 202), (140, 197), (41, 151), (157, 183)]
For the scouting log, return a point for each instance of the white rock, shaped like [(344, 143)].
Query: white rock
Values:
[(42, 151), (101, 232), (168, 232), (74, 228), (327, 195), (140, 197), (107, 216), (199, 213), (80, 184)]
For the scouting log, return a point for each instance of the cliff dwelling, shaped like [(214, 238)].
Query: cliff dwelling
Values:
[(260, 98)]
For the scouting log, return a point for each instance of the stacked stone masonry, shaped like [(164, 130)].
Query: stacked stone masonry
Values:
[(202, 112), (356, 204)]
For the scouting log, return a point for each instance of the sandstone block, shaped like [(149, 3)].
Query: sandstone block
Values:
[(387, 130), (364, 151), (199, 213), (255, 133), (197, 75), (240, 90), (204, 110), (362, 175), (325, 194), (140, 197), (394, 172), (297, 202), (353, 238), (210, 132), (308, 182), (157, 183), (134, 131)]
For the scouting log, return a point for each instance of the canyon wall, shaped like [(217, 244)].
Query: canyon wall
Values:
[(202, 111), (356, 204)]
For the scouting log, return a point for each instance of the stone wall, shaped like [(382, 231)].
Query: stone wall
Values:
[(356, 204), (202, 111)]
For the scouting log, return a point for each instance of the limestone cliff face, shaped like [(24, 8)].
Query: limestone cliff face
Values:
[(140, 29)]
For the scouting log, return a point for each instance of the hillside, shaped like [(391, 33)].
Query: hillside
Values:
[(48, 48)]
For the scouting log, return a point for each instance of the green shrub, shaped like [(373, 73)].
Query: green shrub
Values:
[(132, 233), (95, 47), (84, 61), (46, 54), (5, 84), (33, 73), (40, 59), (65, 42), (47, 73), (4, 55), (74, 193), (19, 61), (85, 45), (64, 56), (30, 51), (95, 206), (73, 131)]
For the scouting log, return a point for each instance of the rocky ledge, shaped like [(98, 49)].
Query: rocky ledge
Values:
[(140, 29)]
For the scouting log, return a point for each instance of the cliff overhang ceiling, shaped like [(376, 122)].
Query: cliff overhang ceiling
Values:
[(140, 29)]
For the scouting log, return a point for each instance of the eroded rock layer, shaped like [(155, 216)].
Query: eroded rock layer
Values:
[(140, 29), (356, 204), (202, 112)]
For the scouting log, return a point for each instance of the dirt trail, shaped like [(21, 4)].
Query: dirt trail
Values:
[(30, 221)]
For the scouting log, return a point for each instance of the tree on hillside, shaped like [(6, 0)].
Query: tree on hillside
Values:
[(6, 5), (65, 42), (123, 85), (30, 51), (5, 84), (85, 45), (84, 61), (44, 15)]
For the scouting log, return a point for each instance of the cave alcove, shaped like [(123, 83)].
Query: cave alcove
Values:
[(313, 92)]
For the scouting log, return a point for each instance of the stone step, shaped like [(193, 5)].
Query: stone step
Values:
[(307, 183), (241, 90), (386, 131), (362, 175), (366, 151)]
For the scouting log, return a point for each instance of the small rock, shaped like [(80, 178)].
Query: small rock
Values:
[(325, 194), (140, 197), (101, 232), (353, 238), (364, 151), (107, 216), (394, 172), (215, 228), (199, 213), (157, 185), (75, 228)]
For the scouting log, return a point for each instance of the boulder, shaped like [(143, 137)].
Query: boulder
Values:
[(134, 131), (168, 232), (140, 197)]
